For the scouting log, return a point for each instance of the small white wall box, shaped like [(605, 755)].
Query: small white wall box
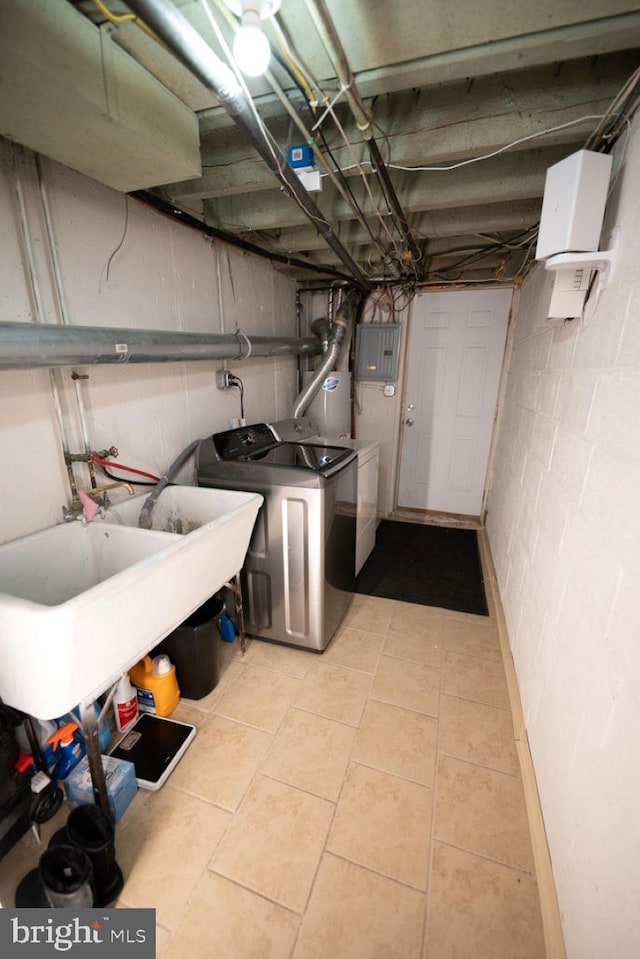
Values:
[(575, 195), (569, 291), (311, 180)]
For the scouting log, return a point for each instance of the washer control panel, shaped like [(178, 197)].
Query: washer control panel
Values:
[(244, 440)]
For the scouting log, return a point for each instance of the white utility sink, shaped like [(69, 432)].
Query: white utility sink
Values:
[(81, 604)]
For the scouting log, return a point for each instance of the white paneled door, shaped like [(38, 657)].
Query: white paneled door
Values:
[(455, 350)]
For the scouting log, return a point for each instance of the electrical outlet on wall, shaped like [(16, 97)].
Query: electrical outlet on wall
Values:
[(223, 379)]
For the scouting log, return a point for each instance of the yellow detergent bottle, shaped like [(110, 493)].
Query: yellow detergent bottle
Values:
[(157, 685)]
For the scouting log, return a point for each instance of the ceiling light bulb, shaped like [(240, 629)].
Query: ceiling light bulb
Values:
[(250, 46)]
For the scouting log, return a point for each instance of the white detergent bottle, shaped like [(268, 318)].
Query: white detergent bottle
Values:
[(125, 704)]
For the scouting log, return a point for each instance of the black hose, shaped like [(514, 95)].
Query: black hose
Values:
[(131, 482)]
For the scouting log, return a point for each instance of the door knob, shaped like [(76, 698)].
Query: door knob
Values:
[(409, 421)]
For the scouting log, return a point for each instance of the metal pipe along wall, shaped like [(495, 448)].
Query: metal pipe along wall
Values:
[(27, 346)]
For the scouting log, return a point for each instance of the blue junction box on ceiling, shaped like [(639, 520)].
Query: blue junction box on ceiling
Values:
[(300, 156)]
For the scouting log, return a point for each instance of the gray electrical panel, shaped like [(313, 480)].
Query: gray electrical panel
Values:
[(377, 350)]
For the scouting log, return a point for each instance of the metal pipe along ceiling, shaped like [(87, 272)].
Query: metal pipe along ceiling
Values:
[(193, 51), (170, 210), (26, 346), (329, 35)]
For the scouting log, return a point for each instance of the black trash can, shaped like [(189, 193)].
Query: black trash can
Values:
[(194, 649)]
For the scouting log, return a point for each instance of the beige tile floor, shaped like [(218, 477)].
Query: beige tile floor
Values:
[(362, 804)]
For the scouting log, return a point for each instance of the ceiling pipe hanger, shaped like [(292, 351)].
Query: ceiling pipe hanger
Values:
[(326, 29), (196, 54)]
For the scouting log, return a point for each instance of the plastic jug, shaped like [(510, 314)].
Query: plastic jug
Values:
[(125, 704), (157, 685)]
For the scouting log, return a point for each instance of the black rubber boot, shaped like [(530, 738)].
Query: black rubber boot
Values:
[(30, 893), (91, 828), (61, 881)]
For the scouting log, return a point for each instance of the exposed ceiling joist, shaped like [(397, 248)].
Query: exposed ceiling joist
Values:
[(436, 126), (503, 217), (572, 40), (507, 177), (443, 84)]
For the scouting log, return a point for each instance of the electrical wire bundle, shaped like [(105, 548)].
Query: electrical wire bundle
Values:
[(526, 238), (235, 382)]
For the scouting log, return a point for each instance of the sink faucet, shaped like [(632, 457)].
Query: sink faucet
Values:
[(103, 489), (102, 492), (86, 511)]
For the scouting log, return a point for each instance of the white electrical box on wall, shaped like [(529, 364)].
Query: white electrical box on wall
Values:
[(575, 196), (569, 290)]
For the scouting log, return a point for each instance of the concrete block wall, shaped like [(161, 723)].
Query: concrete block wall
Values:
[(124, 265), (564, 528)]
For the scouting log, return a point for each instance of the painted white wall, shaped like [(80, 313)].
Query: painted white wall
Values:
[(164, 276), (378, 418), (564, 528)]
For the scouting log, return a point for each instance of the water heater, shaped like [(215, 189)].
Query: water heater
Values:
[(331, 406)]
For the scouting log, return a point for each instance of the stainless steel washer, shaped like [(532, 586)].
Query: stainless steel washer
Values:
[(299, 572)]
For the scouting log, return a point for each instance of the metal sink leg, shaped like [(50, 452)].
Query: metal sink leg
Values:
[(90, 733)]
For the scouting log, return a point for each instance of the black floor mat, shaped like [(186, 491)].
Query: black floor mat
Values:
[(429, 565)]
